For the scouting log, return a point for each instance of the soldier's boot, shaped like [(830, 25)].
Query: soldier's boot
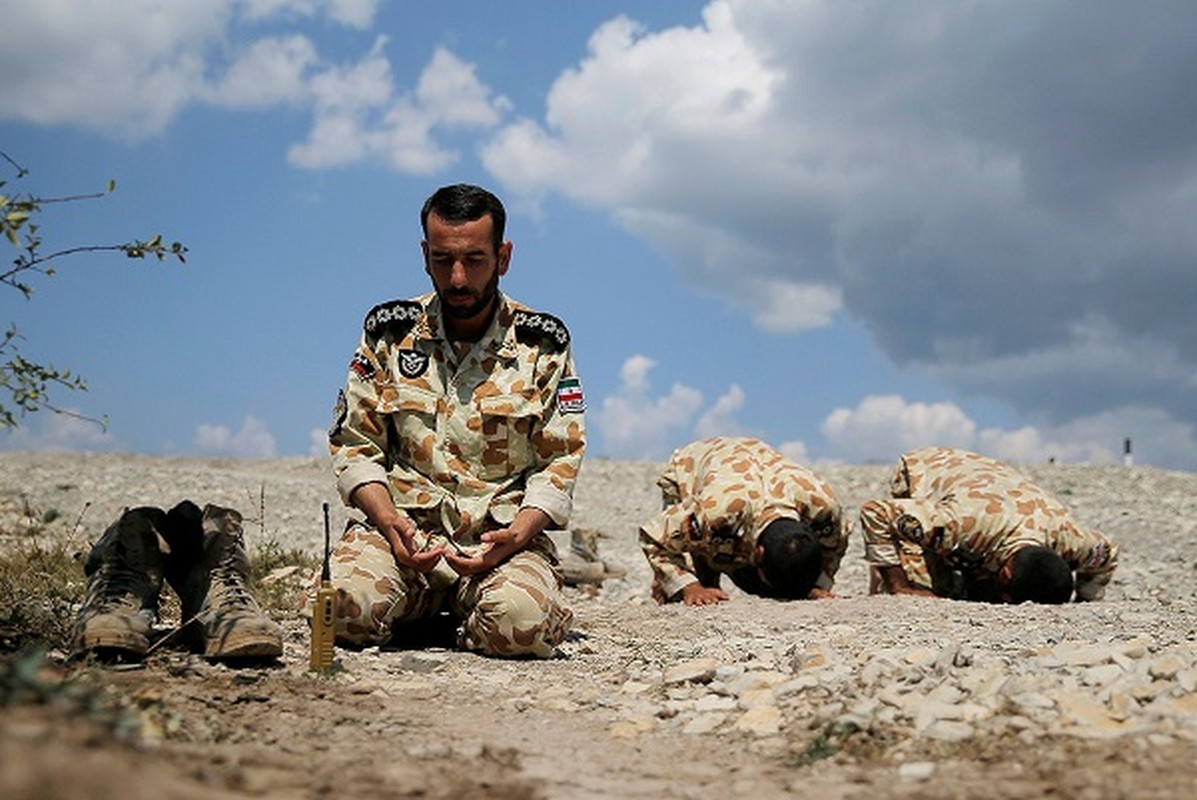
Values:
[(124, 578), (209, 569), (582, 564)]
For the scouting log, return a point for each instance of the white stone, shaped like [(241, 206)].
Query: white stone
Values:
[(916, 771), (949, 731), (760, 721), (714, 702), (700, 670)]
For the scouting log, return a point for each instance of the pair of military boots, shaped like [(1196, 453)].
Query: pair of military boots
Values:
[(201, 555)]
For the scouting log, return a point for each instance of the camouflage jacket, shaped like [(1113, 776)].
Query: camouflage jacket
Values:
[(462, 439), (719, 494), (976, 513)]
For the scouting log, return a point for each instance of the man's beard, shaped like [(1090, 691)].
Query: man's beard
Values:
[(481, 300)]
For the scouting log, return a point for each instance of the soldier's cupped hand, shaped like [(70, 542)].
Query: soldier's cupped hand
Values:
[(401, 534)]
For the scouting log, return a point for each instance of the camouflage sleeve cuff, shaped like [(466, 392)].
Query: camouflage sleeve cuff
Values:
[(357, 474), (552, 501), (678, 582), (825, 582)]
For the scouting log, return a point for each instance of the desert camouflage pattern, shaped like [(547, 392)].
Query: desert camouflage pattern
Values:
[(515, 609), (464, 435), (463, 440), (974, 510), (718, 495)]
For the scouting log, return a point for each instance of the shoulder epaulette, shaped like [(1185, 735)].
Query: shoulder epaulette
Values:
[(396, 317), (534, 326)]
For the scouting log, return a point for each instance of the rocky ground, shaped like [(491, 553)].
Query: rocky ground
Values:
[(849, 698)]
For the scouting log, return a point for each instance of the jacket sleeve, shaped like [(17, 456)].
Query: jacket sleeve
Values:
[(358, 437), (671, 569), (1094, 557), (559, 441)]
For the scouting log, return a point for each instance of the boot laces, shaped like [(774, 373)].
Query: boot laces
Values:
[(232, 582)]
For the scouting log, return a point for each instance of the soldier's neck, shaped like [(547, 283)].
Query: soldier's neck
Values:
[(472, 329)]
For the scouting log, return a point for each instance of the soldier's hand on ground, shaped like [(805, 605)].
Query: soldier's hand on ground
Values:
[(695, 594), (821, 594)]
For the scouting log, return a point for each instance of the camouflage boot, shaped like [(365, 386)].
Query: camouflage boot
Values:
[(209, 569), (124, 577)]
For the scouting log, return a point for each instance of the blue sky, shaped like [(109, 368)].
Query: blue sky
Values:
[(849, 228)]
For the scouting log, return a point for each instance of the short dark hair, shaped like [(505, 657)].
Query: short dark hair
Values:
[(1039, 575), (464, 202), (792, 559)]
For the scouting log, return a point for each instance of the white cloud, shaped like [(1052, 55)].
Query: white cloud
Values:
[(359, 115), (636, 425), (318, 442), (880, 428), (975, 184), (252, 441), (131, 67), (268, 72), (124, 65), (47, 430), (794, 450), (720, 419), (353, 13)]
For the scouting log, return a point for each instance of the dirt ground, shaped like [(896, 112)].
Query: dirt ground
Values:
[(436, 723), (608, 719)]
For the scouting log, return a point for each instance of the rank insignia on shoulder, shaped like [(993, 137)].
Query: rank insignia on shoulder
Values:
[(412, 363), (570, 399), (398, 317), (533, 326)]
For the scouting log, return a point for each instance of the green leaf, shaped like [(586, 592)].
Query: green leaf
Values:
[(111, 186)]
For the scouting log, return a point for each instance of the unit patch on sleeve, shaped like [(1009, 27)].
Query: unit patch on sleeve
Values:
[(362, 367), (570, 399)]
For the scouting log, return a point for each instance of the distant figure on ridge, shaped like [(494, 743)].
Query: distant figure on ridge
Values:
[(458, 437), (738, 506), (971, 528)]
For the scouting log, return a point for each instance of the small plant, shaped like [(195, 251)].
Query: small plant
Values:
[(281, 596), (40, 588)]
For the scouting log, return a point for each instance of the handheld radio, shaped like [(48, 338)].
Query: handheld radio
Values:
[(323, 613)]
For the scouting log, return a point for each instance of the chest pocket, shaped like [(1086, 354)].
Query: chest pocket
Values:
[(508, 422), (413, 415)]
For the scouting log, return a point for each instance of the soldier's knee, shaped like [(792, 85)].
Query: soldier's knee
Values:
[(362, 619), (513, 624)]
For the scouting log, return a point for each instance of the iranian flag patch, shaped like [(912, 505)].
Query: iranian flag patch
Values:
[(569, 396)]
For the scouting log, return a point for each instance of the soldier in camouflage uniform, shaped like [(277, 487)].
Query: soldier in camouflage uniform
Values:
[(459, 435), (723, 498), (965, 526)]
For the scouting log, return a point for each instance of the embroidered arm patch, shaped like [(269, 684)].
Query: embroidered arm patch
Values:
[(570, 399)]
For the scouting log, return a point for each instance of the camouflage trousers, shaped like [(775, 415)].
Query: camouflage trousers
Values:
[(516, 609)]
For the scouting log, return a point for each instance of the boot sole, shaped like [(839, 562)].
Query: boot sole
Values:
[(252, 648)]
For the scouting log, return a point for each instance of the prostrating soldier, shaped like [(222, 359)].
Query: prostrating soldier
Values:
[(965, 526), (736, 505)]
